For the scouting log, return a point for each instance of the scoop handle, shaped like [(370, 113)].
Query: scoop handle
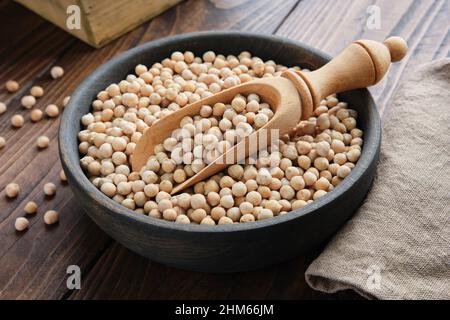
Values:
[(362, 64)]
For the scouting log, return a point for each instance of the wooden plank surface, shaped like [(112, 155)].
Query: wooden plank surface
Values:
[(34, 263)]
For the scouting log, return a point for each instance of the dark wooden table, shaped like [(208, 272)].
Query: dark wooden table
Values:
[(33, 264)]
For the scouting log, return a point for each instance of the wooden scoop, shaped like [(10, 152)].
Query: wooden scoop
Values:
[(292, 97)]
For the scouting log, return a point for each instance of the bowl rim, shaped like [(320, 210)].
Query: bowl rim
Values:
[(79, 180)]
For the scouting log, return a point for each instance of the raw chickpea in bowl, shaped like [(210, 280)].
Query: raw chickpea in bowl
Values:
[(247, 234), (292, 173)]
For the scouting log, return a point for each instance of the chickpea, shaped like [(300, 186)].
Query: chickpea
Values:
[(238, 104), (234, 214), (208, 221), (182, 219), (304, 194), (28, 101), (254, 198), (17, 121), (227, 201), (303, 147), (321, 163), (30, 207), (52, 111), (124, 188), (37, 91), (322, 184), (274, 206), (297, 183), (349, 123), (66, 101), (236, 171), (209, 56), (323, 121), (56, 72), (265, 214), (21, 224), (323, 148), (263, 177), (353, 155), (246, 207), (211, 186), (51, 217), (261, 120), (12, 190), (36, 115), (297, 204), (170, 215), (225, 220), (198, 215), (217, 213), (62, 176), (2, 142), (239, 189), (338, 146), (318, 194), (213, 198), (287, 192), (340, 158), (304, 162), (3, 108), (50, 189), (198, 201), (12, 86), (248, 217), (343, 171), (309, 178), (166, 186)]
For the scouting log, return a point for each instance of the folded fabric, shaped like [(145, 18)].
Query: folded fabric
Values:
[(397, 246)]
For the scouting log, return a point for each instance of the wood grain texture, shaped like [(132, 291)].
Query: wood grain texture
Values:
[(34, 263)]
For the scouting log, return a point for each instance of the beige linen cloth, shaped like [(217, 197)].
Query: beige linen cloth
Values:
[(397, 246)]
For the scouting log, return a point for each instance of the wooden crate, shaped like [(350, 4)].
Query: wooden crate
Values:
[(101, 20)]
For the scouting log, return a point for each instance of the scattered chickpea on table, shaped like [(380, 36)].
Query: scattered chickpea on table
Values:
[(51, 217), (49, 189), (3, 108), (56, 72), (12, 190), (52, 111), (17, 121), (21, 224), (12, 86), (31, 207), (42, 142)]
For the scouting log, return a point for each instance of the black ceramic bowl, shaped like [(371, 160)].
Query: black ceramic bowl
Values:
[(222, 248)]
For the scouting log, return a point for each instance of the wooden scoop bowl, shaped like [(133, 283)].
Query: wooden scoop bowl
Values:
[(292, 97)]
